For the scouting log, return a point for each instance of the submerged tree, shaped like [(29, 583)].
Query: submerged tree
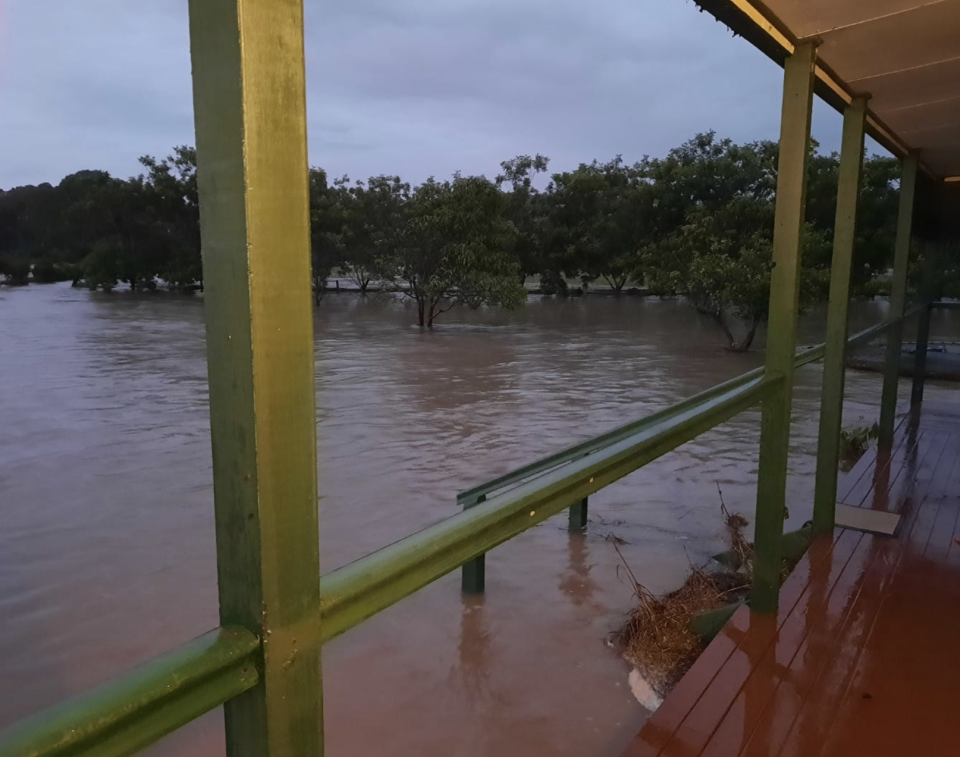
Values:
[(452, 249), (720, 255), (695, 223), (372, 221), (326, 229), (526, 208), (171, 186), (14, 271), (602, 214)]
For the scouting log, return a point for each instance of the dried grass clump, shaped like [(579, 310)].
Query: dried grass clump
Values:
[(657, 638), (741, 550)]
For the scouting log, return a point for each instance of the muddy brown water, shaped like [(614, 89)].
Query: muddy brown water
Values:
[(106, 518)]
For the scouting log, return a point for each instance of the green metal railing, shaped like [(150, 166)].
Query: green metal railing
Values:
[(138, 708), (552, 465), (264, 663)]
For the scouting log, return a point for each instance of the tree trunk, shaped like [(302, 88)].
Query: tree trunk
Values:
[(616, 284), (421, 313)]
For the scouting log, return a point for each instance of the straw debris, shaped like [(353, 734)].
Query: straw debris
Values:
[(657, 638)]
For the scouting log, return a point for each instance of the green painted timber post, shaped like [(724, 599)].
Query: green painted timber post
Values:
[(835, 354), (473, 575), (250, 112), (923, 325), (798, 81), (578, 515), (898, 301), (920, 358)]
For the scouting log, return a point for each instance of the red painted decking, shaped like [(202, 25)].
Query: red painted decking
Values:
[(864, 656)]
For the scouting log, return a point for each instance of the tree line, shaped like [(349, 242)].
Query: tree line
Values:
[(697, 222)]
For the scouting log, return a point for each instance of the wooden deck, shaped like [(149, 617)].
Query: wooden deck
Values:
[(864, 657)]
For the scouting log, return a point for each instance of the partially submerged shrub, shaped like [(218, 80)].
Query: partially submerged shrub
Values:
[(854, 443)]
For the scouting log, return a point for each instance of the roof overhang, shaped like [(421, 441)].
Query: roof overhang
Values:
[(903, 54)]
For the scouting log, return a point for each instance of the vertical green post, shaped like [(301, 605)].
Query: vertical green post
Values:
[(250, 112), (898, 301), (782, 328), (834, 362), (578, 515), (923, 326), (920, 358), (473, 574)]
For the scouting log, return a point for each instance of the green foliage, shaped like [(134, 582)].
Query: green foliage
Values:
[(136, 231), (695, 223), (873, 288), (854, 442), (453, 249), (45, 271), (526, 208), (101, 268), (372, 221), (716, 232), (15, 271), (326, 228), (937, 278), (602, 215), (172, 197)]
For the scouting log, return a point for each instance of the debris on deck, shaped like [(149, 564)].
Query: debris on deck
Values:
[(660, 639)]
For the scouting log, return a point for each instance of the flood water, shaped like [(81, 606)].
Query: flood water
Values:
[(107, 536)]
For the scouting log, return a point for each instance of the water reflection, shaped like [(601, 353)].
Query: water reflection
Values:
[(577, 584), (472, 669)]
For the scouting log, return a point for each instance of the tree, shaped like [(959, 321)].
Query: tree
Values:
[(720, 256), (876, 219), (326, 228), (131, 243), (602, 215), (453, 249), (526, 209), (170, 186), (372, 221), (15, 271)]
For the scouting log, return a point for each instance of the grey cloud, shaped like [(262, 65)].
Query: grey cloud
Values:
[(417, 87)]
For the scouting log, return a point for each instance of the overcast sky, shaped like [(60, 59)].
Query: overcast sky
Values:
[(408, 87)]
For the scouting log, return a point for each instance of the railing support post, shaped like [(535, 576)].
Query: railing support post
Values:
[(249, 106), (931, 253), (781, 332), (835, 351), (578, 515), (898, 301), (473, 574), (920, 358)]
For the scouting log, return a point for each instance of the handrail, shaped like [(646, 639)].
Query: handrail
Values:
[(470, 497), (351, 594), (128, 713), (476, 494)]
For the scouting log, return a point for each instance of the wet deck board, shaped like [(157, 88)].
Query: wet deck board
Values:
[(863, 657)]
